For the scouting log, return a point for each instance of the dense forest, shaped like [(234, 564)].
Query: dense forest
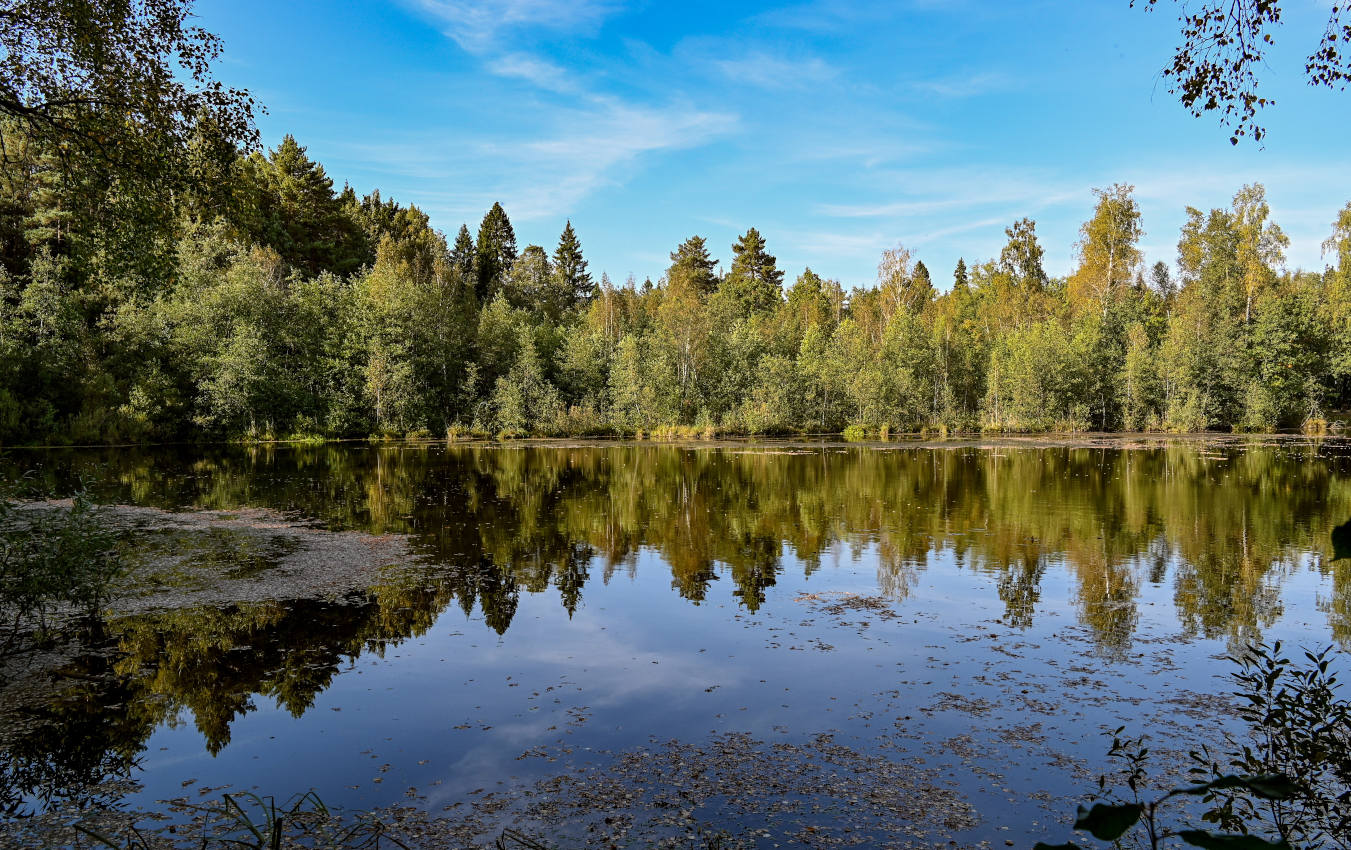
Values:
[(165, 277), (279, 306)]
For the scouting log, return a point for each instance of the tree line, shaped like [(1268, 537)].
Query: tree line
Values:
[(278, 306)]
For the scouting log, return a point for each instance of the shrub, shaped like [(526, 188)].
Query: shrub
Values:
[(52, 559), (1286, 783)]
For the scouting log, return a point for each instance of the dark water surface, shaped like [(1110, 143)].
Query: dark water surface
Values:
[(794, 642)]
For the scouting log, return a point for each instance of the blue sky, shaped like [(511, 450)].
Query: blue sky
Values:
[(837, 129)]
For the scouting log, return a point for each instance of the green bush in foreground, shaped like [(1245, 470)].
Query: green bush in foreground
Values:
[(52, 559), (1285, 783)]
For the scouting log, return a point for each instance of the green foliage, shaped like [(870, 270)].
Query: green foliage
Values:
[(115, 104), (53, 560), (1022, 256), (1285, 783), (257, 302), (571, 285), (755, 280), (1037, 380), (495, 252), (295, 212), (692, 263), (524, 400)]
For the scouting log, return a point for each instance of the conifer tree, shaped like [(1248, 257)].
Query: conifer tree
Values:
[(960, 278), (572, 282), (922, 279), (300, 217), (755, 280), (462, 254), (1162, 281), (692, 261), (496, 251)]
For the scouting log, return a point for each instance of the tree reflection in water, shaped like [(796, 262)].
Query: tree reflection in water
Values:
[(1225, 526)]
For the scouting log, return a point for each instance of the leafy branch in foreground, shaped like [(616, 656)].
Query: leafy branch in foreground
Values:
[(1287, 783), (1224, 42)]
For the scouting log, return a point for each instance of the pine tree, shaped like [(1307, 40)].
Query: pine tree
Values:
[(462, 255), (755, 279), (572, 282), (960, 279), (692, 261), (496, 251)]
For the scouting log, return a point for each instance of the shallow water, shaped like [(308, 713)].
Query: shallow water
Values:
[(762, 637)]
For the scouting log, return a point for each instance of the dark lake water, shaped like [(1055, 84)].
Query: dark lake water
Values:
[(796, 643)]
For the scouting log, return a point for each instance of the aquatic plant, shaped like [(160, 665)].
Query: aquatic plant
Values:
[(247, 821)]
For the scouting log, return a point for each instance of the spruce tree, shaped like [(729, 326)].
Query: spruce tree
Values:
[(960, 279), (496, 251), (692, 263), (462, 254), (572, 282), (755, 281), (922, 280)]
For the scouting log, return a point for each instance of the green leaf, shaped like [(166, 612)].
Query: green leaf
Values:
[(1267, 786), (1272, 786), (1108, 823), (1215, 841)]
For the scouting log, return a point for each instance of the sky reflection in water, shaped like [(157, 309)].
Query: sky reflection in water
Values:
[(579, 601)]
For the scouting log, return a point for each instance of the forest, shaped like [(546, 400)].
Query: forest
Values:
[(278, 306), (165, 277)]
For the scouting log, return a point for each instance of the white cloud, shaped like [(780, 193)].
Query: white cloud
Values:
[(534, 70), (966, 85), (558, 149), (829, 244), (768, 71), (574, 152), (476, 25), (598, 144)]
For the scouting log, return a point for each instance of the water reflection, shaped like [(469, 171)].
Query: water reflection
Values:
[(1226, 527)]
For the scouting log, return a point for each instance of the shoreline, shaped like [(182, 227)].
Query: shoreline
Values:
[(969, 439)]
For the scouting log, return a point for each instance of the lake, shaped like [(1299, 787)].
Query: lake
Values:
[(805, 644)]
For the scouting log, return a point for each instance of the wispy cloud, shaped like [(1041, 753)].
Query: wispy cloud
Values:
[(818, 16), (557, 171), (576, 151), (925, 192), (833, 244), (769, 71), (825, 16), (538, 72), (993, 224), (477, 25), (965, 85), (575, 140)]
